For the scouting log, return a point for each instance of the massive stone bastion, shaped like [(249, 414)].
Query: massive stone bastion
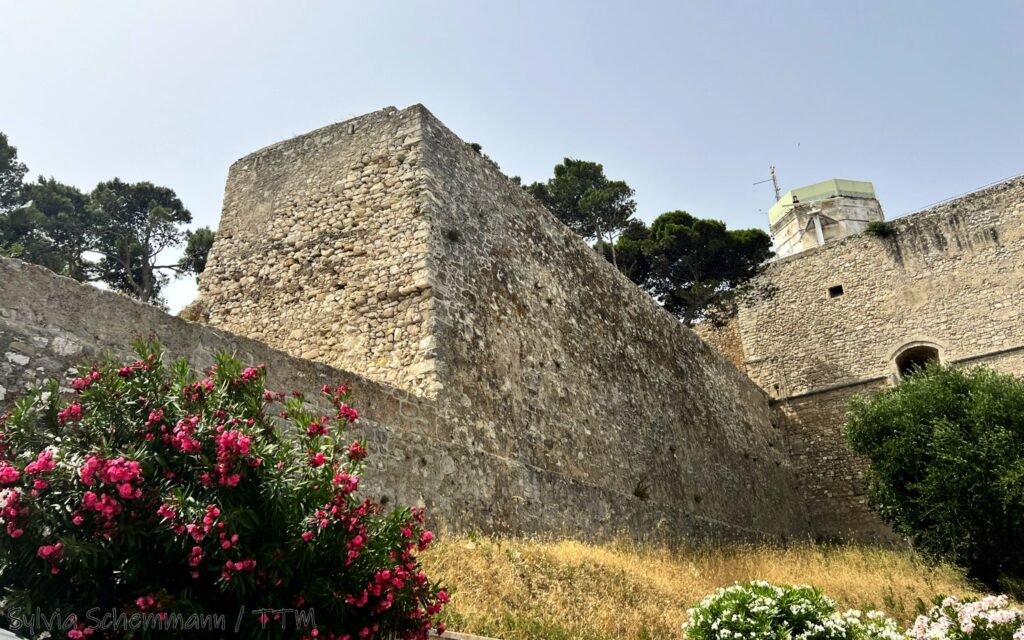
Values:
[(511, 379)]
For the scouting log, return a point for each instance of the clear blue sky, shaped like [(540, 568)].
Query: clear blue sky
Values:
[(687, 101)]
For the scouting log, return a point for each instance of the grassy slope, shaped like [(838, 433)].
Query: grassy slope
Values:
[(514, 589)]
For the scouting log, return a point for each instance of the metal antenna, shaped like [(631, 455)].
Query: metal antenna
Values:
[(775, 183)]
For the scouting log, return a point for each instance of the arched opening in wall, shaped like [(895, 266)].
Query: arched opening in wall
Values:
[(917, 357)]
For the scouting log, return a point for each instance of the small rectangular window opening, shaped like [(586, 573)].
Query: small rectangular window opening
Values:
[(836, 291)]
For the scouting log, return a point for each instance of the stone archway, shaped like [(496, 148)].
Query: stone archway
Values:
[(913, 356)]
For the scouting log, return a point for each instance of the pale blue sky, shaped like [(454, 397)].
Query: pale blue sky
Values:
[(687, 101)]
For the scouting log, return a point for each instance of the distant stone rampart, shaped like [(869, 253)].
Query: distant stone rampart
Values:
[(833, 322)]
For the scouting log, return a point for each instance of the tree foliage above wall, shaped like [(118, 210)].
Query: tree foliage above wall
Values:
[(118, 234), (581, 196), (695, 268), (12, 172)]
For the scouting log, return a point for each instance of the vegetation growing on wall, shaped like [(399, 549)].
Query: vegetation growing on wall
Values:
[(946, 452), (167, 496), (880, 229)]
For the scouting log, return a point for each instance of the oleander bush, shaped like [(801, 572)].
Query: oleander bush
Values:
[(989, 618), (161, 494), (763, 611), (946, 453)]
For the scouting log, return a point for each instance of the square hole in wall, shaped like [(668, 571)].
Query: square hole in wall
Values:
[(836, 291)]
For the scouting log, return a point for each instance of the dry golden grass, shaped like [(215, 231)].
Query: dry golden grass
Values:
[(518, 589)]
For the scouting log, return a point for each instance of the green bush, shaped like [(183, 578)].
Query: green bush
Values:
[(880, 229), (161, 498), (782, 612), (946, 453)]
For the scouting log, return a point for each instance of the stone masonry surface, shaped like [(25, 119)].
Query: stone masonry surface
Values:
[(532, 349), (321, 251), (49, 324), (951, 276)]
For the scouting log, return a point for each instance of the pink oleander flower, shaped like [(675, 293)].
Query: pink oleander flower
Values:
[(80, 384), (167, 511), (317, 427), (183, 438), (251, 374), (347, 413), (233, 567), (46, 551), (356, 451), (425, 538), (8, 474), (87, 472), (195, 556), (71, 413), (44, 462)]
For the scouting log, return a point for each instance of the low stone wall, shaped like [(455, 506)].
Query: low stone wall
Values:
[(50, 324)]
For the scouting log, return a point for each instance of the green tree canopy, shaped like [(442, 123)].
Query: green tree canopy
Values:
[(12, 225), (946, 452), (44, 222), (129, 226), (582, 197), (137, 222), (12, 173), (197, 248), (694, 267), (63, 228)]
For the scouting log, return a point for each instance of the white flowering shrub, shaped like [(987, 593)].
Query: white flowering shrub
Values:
[(763, 611), (990, 618)]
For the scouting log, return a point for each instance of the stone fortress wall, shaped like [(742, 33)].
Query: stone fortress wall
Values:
[(548, 355), (50, 324), (535, 351), (511, 379), (950, 277)]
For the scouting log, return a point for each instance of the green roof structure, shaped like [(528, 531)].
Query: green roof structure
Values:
[(820, 191)]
